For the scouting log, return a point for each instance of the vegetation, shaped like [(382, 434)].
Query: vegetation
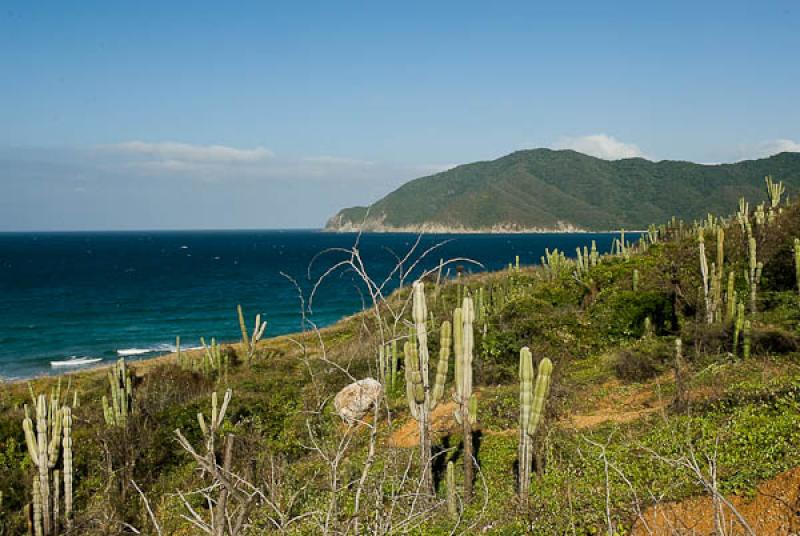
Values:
[(546, 189), (609, 387)]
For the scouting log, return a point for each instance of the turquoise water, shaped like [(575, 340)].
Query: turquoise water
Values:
[(100, 295)]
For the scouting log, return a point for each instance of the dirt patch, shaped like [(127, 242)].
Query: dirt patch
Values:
[(596, 419), (619, 406), (774, 511), (442, 422)]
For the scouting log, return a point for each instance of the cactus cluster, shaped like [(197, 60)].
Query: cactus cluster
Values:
[(250, 341), (420, 396), (214, 360), (555, 263), (532, 399), (119, 379), (775, 191), (211, 428), (621, 247), (586, 258), (49, 443), (712, 278), (387, 363)]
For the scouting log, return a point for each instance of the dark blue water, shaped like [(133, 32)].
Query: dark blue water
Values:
[(99, 294)]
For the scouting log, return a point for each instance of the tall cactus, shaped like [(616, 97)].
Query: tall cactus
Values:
[(705, 275), (730, 296), (531, 412), (49, 443), (250, 342), (465, 413), (119, 378), (450, 481), (753, 272), (421, 397), (797, 262), (738, 326), (746, 328)]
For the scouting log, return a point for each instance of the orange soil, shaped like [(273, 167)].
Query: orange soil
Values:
[(774, 511), (442, 422)]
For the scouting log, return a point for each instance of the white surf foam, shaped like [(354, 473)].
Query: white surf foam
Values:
[(75, 361)]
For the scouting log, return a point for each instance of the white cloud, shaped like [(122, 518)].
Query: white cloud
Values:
[(768, 148), (169, 151), (338, 161), (601, 146)]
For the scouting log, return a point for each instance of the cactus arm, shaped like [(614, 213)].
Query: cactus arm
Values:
[(445, 339), (420, 316), (540, 392), (243, 328)]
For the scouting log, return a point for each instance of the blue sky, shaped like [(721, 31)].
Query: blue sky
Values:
[(133, 115)]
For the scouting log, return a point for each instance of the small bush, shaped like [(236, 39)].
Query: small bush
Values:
[(642, 360)]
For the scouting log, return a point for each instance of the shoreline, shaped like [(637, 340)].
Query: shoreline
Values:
[(443, 229), (144, 364)]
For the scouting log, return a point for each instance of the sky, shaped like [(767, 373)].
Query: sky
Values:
[(210, 115)]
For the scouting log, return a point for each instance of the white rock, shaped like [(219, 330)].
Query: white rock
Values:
[(355, 400)]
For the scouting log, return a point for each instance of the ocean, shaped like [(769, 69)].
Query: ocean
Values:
[(101, 295)]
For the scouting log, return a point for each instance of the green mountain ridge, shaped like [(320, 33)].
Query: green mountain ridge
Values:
[(552, 190)]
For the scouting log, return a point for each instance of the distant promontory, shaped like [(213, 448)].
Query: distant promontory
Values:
[(544, 190)]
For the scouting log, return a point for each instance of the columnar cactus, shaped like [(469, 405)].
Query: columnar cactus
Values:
[(743, 214), (211, 428), (465, 398), (393, 375), (635, 280), (179, 357), (532, 401), (555, 263), (452, 504), (753, 273), (121, 407), (250, 342), (594, 255), (680, 403), (738, 326), (717, 275), (49, 443), (775, 191), (421, 397), (214, 359), (797, 262), (730, 296), (647, 329), (746, 328), (704, 273)]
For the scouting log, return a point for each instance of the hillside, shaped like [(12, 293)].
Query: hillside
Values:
[(665, 410), (543, 189)]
